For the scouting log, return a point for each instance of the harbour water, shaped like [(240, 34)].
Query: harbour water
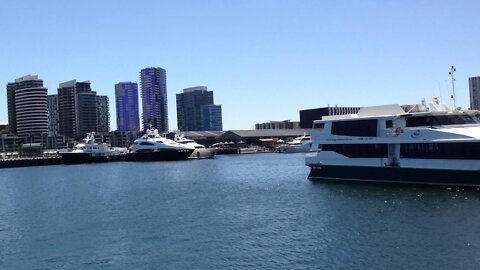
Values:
[(232, 212)]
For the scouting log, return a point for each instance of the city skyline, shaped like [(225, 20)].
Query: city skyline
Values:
[(265, 67)]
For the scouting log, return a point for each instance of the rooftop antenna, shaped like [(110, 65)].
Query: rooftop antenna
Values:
[(452, 73)]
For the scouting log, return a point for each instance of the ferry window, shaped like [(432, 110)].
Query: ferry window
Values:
[(319, 125), (440, 120), (389, 124), (441, 150), (358, 150), (364, 128)]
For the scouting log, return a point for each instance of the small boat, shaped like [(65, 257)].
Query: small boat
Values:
[(300, 144), (153, 147), (89, 151), (199, 152)]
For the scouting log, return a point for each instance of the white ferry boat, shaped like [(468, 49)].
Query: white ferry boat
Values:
[(153, 147), (89, 151), (387, 144)]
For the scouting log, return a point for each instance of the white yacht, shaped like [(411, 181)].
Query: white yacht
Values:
[(388, 144), (199, 152), (90, 151), (300, 144), (153, 147)]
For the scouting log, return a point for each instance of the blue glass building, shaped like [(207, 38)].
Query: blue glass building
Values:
[(154, 98), (211, 117), (126, 102)]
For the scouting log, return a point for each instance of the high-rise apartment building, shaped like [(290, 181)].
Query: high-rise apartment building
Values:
[(28, 108), (474, 86), (77, 109), (153, 83), (103, 114), (12, 121), (126, 103), (52, 115), (196, 111)]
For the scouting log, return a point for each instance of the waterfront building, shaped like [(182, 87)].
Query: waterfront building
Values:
[(308, 116), (77, 109), (196, 110), (126, 103), (52, 115), (103, 113), (474, 86), (27, 98), (153, 83), (286, 124)]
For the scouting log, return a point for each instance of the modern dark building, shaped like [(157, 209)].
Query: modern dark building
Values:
[(211, 117), (153, 83), (87, 113), (474, 86), (77, 109), (308, 116), (103, 114), (196, 110), (28, 99), (126, 103)]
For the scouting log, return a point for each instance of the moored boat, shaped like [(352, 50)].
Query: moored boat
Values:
[(89, 151), (199, 152), (300, 144), (153, 147)]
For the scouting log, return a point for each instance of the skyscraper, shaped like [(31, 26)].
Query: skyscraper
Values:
[(12, 121), (196, 111), (153, 82), (126, 102), (27, 105), (52, 115), (77, 109), (474, 86), (103, 114)]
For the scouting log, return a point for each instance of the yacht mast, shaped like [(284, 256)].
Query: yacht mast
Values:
[(451, 73)]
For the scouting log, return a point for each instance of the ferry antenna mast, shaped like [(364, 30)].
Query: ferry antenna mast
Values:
[(452, 73)]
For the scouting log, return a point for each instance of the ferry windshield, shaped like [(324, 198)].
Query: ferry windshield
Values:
[(441, 120)]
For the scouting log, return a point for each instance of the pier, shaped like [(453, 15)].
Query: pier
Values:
[(30, 161)]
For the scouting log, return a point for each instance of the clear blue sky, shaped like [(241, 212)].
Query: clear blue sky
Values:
[(264, 59)]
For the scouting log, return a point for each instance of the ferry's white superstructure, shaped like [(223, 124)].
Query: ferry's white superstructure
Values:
[(387, 144)]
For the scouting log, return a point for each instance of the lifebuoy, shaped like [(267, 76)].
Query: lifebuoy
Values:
[(398, 131)]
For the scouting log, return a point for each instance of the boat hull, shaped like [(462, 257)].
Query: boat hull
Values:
[(203, 153), (163, 155), (77, 158), (395, 175)]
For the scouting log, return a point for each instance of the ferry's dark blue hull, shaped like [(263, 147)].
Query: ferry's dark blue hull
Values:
[(77, 158), (163, 155), (396, 175)]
